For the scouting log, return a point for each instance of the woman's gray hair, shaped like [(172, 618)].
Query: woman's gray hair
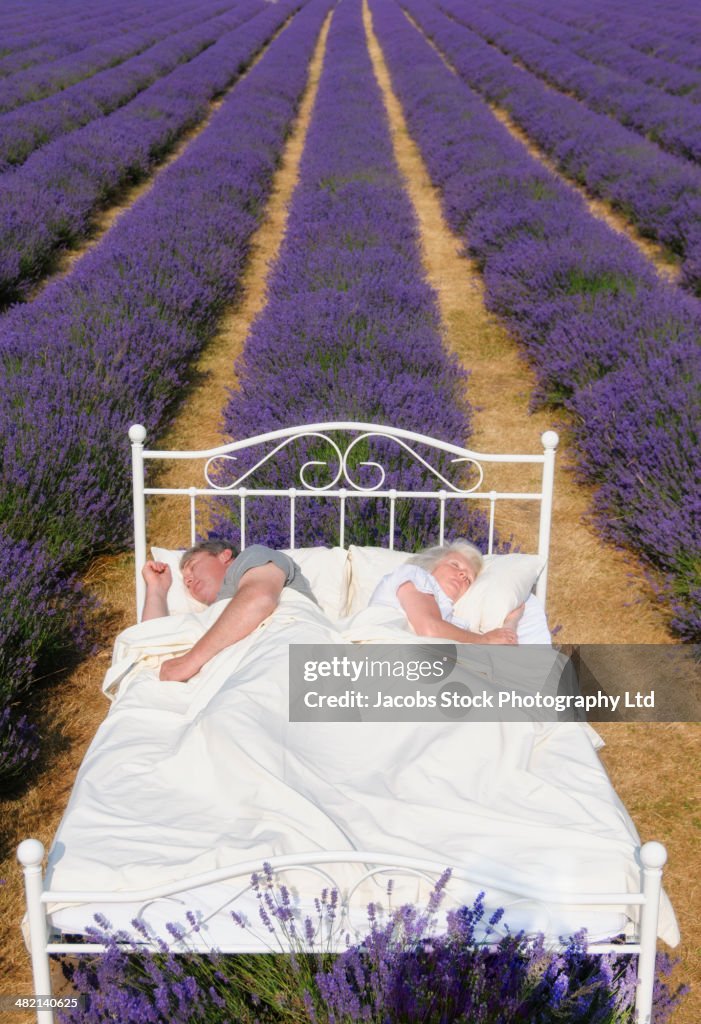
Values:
[(429, 558)]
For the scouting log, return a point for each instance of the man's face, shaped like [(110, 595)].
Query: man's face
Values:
[(204, 573)]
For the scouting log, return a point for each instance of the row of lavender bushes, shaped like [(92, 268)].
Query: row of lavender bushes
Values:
[(608, 340), (671, 35), (111, 344), (31, 84), (404, 971), (50, 200), (351, 329), (27, 128), (659, 192), (608, 50), (673, 122), (38, 33)]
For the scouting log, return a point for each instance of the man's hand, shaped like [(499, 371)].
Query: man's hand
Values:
[(157, 576), (158, 579), (179, 670)]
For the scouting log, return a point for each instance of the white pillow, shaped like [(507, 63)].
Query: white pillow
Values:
[(504, 582), (325, 568), (367, 567)]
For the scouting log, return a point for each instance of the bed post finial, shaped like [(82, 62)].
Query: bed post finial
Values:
[(549, 439), (137, 436), (137, 433), (653, 857), (30, 854)]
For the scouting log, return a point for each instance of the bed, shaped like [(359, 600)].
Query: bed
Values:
[(187, 790)]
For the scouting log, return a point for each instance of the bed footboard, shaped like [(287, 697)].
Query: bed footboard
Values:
[(30, 853)]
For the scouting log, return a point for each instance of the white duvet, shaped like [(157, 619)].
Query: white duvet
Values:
[(184, 778)]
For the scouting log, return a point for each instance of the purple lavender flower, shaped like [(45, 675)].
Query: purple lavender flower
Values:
[(659, 191), (159, 50), (673, 122), (19, 746), (401, 972), (49, 201)]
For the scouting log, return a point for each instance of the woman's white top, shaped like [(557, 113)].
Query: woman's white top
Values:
[(385, 593)]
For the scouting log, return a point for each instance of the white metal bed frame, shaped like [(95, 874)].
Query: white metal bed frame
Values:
[(31, 852), (444, 490)]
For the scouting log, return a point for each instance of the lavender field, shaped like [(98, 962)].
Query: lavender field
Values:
[(91, 104), (522, 112)]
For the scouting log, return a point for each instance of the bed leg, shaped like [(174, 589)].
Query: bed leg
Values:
[(137, 436), (30, 854), (653, 857)]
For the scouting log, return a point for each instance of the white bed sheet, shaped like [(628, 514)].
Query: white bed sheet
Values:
[(182, 779)]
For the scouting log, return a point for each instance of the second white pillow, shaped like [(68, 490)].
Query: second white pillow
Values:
[(504, 583)]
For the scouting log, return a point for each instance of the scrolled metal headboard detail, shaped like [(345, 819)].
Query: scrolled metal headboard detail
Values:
[(344, 441)]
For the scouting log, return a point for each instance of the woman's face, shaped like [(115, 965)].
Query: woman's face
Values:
[(454, 574)]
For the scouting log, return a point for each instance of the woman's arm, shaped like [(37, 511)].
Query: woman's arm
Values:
[(425, 619)]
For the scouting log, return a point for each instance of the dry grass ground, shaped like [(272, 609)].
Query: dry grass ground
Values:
[(654, 767)]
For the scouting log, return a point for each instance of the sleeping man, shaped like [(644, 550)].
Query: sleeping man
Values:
[(252, 580)]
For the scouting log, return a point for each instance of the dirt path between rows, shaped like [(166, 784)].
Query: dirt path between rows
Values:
[(77, 706), (596, 593)]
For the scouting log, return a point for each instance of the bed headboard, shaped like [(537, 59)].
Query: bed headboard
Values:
[(342, 486)]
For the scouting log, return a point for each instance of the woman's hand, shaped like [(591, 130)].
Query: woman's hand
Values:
[(503, 635), (506, 634), (513, 618)]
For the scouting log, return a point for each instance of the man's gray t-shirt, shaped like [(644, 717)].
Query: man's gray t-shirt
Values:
[(257, 555)]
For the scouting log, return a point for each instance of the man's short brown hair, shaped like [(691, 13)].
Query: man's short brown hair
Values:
[(212, 547)]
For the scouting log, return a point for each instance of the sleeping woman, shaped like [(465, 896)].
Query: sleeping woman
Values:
[(427, 586)]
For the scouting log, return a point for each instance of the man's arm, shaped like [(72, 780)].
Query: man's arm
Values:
[(257, 597), (158, 579)]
